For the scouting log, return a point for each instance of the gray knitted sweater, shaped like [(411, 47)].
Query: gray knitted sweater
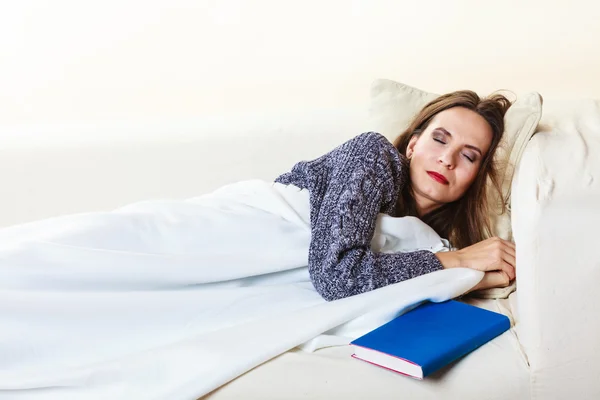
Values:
[(348, 187)]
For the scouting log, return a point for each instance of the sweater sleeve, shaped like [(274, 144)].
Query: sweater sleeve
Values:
[(364, 180)]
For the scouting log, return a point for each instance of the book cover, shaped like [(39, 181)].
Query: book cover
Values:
[(429, 337)]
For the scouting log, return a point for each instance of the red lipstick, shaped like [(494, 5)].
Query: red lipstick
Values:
[(438, 177)]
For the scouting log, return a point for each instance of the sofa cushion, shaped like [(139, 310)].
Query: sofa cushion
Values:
[(331, 373)]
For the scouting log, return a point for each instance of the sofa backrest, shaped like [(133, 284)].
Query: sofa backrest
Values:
[(49, 170)]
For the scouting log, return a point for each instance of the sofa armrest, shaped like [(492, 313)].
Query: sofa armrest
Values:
[(555, 217)]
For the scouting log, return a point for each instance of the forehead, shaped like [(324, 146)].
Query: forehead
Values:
[(464, 125)]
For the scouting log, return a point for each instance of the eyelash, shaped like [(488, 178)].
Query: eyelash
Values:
[(467, 157)]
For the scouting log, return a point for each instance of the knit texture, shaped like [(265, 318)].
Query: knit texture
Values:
[(349, 187)]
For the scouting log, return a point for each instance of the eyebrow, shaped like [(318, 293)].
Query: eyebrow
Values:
[(468, 146)]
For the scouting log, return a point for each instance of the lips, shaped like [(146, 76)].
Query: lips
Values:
[(438, 177)]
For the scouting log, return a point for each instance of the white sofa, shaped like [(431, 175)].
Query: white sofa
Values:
[(551, 352)]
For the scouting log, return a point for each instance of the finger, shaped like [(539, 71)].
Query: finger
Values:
[(509, 244), (508, 269), (497, 279), (493, 279), (510, 258)]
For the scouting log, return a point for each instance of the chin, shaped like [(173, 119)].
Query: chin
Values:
[(433, 194), (436, 195)]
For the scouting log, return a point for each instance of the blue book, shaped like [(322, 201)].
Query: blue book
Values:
[(429, 337)]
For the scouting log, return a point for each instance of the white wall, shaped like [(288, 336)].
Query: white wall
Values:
[(81, 60)]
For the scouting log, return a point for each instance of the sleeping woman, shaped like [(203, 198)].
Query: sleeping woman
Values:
[(436, 170)]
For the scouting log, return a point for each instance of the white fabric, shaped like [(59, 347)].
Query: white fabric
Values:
[(556, 194), (171, 299)]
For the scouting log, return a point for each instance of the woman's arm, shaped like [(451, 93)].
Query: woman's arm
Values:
[(494, 256), (363, 178)]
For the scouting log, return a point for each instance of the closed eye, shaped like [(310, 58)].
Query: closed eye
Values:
[(469, 158), (439, 141)]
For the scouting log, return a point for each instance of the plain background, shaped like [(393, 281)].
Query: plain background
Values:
[(69, 60)]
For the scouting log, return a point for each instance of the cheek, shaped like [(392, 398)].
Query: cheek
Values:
[(465, 178), (426, 152), (426, 147)]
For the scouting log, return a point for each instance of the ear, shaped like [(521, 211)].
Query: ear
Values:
[(410, 148)]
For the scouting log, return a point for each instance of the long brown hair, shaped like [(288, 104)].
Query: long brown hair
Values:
[(466, 220)]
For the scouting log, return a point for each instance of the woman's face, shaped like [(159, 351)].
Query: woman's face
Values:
[(445, 157)]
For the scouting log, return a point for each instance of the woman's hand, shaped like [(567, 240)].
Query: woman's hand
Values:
[(492, 279), (494, 256)]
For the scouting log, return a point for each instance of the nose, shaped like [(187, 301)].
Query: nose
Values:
[(447, 159)]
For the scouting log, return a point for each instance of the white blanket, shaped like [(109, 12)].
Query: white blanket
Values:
[(171, 299)]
